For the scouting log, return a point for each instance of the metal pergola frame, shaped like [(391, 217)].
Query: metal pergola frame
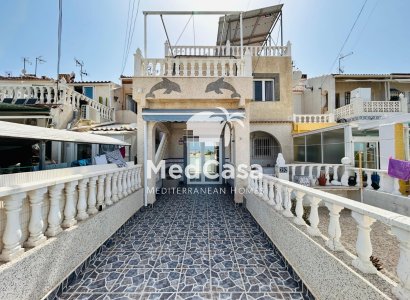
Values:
[(161, 13)]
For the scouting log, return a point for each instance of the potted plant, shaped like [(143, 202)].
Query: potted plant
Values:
[(322, 179)]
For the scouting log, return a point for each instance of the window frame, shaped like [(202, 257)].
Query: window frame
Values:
[(263, 80), (92, 88)]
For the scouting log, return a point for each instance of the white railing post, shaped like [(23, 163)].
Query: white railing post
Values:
[(54, 214), (313, 230), (363, 244), (265, 189), (115, 187), (288, 204), (119, 185), (124, 183), (260, 190), (82, 200), (139, 181), (334, 227), (92, 200), (298, 220), (100, 192), (402, 291), (12, 232), (69, 209), (129, 190), (133, 179), (35, 226), (271, 200), (278, 198), (108, 194)]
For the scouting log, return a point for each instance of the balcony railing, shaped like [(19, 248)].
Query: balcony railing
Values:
[(192, 67), (229, 51), (48, 94), (278, 193), (360, 109), (74, 194), (329, 118)]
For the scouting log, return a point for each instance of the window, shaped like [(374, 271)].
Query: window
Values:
[(263, 90), (347, 98), (337, 100), (262, 147), (88, 91), (131, 104)]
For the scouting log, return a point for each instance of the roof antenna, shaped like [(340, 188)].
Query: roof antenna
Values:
[(341, 57), (39, 60), (80, 63), (26, 60)]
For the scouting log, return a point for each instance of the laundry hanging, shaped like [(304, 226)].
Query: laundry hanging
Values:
[(399, 169)]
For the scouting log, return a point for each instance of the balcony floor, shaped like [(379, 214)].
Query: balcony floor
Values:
[(188, 247)]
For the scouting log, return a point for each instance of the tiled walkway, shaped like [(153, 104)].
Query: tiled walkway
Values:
[(188, 247)]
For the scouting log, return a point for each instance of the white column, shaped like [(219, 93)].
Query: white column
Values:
[(35, 226), (133, 179), (108, 193), (82, 200), (278, 205), (265, 189), (100, 192), (139, 181), (363, 244), (288, 204), (54, 214), (313, 230), (298, 220), (402, 291), (115, 187), (12, 232), (124, 183), (69, 209), (129, 190), (271, 200), (92, 200), (334, 227), (119, 185)]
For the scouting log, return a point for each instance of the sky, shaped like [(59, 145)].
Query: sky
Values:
[(94, 32)]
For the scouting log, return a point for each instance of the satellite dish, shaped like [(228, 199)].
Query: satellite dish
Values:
[(23, 71)]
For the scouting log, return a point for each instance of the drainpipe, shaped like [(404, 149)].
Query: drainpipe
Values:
[(145, 163)]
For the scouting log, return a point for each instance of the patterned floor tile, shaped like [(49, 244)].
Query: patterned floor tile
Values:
[(169, 260), (98, 281), (132, 281), (226, 280), (194, 296), (158, 296), (258, 279), (174, 245), (163, 280), (223, 260), (196, 260), (142, 260), (264, 296), (195, 280), (197, 244), (220, 245), (249, 258)]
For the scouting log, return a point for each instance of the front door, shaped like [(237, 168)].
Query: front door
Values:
[(198, 154)]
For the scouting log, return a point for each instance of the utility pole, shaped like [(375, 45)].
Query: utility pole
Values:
[(80, 63), (39, 60), (341, 57), (26, 60)]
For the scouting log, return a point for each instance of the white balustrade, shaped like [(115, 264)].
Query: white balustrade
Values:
[(359, 108), (69, 194), (325, 118), (190, 67), (364, 215), (313, 170)]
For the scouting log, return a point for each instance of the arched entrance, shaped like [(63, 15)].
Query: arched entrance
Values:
[(264, 149)]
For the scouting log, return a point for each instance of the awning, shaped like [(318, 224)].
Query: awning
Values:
[(194, 115), (257, 25), (14, 130)]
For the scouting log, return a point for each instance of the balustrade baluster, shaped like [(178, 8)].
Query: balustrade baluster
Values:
[(124, 183), (265, 195), (12, 231), (298, 220), (69, 208), (334, 227), (402, 291), (313, 230), (82, 200), (100, 192), (271, 200), (108, 193), (92, 200), (120, 185), (363, 244), (278, 198), (54, 214), (208, 68), (35, 226), (288, 204), (129, 191), (115, 187), (133, 179)]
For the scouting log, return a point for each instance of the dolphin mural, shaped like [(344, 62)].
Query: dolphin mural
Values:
[(216, 87), (166, 84)]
